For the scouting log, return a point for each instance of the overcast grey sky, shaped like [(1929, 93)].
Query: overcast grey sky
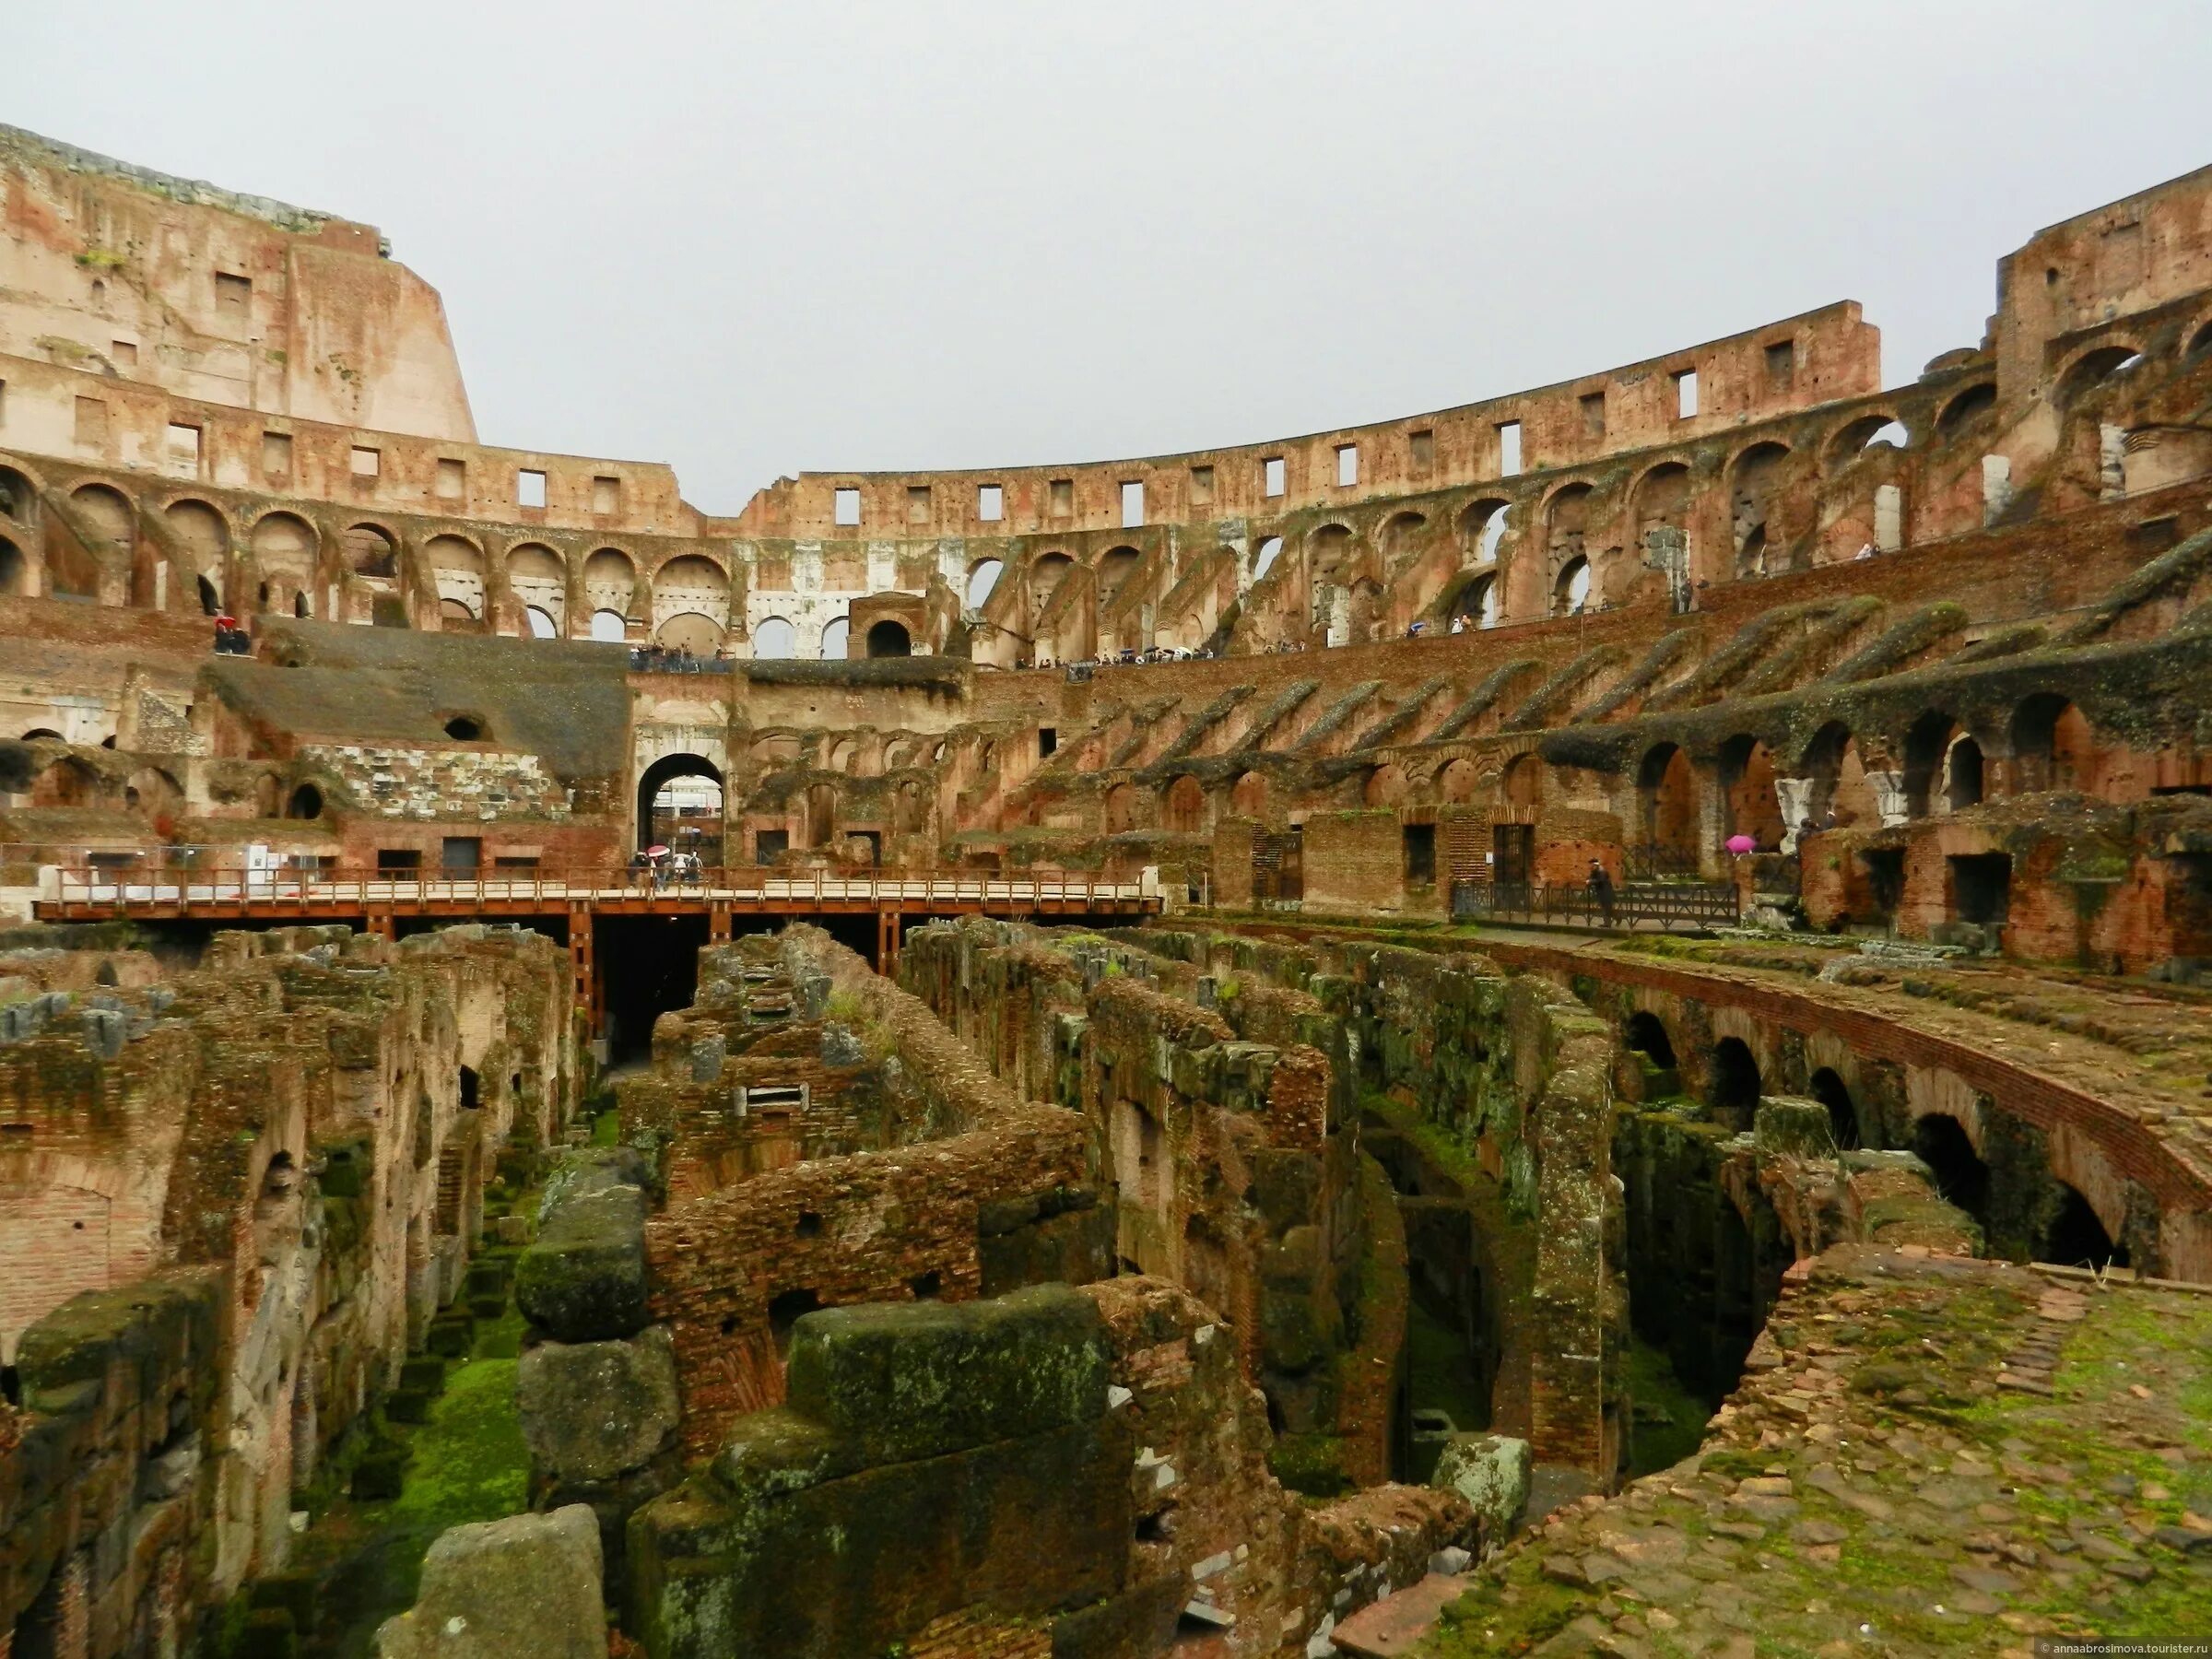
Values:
[(751, 239)]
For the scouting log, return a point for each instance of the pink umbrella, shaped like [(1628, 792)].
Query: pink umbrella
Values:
[(1742, 843), (656, 851)]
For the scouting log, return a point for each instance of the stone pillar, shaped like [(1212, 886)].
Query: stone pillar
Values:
[(1795, 795), (1889, 797)]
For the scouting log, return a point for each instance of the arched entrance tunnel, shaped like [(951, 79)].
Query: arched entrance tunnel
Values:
[(680, 805)]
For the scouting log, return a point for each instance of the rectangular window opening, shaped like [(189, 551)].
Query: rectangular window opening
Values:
[(990, 502), (1782, 364), (276, 454), (1421, 447), (1348, 464), (399, 858), (1202, 486), (606, 497), (1686, 393), (123, 354), (1509, 448), (184, 445), (770, 846), (452, 482), (91, 421), (1272, 480), (845, 506), (1593, 414), (529, 487), (1132, 503), (233, 295), (461, 852), (1064, 497), (1048, 739), (1420, 854), (365, 462), (917, 503)]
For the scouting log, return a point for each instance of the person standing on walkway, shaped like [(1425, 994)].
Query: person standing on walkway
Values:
[(1601, 890)]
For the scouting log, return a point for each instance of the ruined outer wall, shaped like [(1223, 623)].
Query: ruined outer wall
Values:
[(232, 300)]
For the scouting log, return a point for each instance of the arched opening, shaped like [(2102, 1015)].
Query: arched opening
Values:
[(689, 584), (784, 1313), (1965, 408), (1567, 522), (542, 626), (1399, 534), (1270, 550), (369, 551), (1941, 1142), (608, 625), (1826, 1087), (18, 498), (1863, 436), (1477, 606), (455, 616), (15, 572), (1927, 743), (457, 572), (1646, 1034), (890, 639), (2051, 745), (1182, 807), (540, 580), (1570, 590), (1521, 786), (104, 514), (1248, 796), (680, 806), (1962, 775), (1754, 803), (211, 602), (1385, 786), (983, 577), (1666, 791), (1046, 573), (1121, 809), (1455, 782), (2201, 344), (466, 729), (1731, 1083), (610, 582), (1840, 796), (775, 641), (306, 802), (1754, 481), (2092, 368), (200, 532), (692, 633), (837, 637), (1115, 570), (2077, 1237)]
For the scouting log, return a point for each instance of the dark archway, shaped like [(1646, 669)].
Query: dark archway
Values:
[(1647, 1036), (890, 639), (1830, 1089), (1731, 1083), (654, 826), (1940, 1141), (2076, 1238)]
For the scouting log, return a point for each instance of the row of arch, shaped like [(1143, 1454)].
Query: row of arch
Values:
[(1733, 1084)]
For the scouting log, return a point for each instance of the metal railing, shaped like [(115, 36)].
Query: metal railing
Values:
[(1665, 903), (342, 890)]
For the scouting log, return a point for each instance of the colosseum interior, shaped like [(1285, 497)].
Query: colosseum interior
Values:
[(1579, 1024)]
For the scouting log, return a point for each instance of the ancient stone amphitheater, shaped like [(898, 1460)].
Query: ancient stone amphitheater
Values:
[(1577, 1024)]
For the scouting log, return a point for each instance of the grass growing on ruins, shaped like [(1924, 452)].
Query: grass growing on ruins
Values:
[(469, 1464)]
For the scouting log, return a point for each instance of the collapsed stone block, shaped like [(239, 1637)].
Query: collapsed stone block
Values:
[(528, 1585)]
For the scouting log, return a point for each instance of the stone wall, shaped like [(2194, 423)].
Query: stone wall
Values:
[(308, 1123)]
